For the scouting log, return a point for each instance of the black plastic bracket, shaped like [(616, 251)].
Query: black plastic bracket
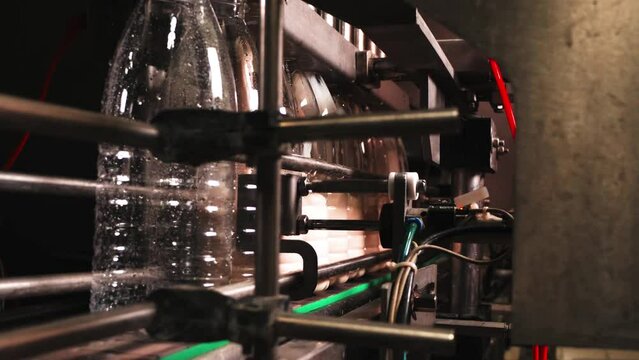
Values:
[(190, 313), (254, 319), (309, 270)]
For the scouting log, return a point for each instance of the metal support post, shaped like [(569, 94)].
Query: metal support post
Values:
[(269, 165), (466, 277)]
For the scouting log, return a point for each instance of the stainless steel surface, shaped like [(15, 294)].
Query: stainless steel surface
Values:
[(33, 340), (311, 350), (353, 264), (326, 51), (308, 165), (323, 44), (20, 287), (348, 186), (412, 46), (317, 224), (269, 166), (59, 121), (426, 284), (36, 184), (474, 327), (268, 225), (366, 333), (467, 281), (271, 46), (30, 286), (403, 33), (42, 285), (428, 121), (574, 68)]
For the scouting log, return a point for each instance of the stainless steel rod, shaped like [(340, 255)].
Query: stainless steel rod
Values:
[(269, 165), (42, 285), (81, 329), (365, 333), (349, 186), (394, 123), (268, 225), (34, 340), (324, 224), (28, 286), (308, 165), (36, 184), (69, 123)]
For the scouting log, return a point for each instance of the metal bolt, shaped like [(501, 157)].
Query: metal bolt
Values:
[(501, 150)]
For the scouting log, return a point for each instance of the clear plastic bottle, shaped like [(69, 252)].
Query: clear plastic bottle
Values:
[(243, 51), (172, 55)]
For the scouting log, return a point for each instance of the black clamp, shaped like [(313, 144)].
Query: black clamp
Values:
[(254, 319), (195, 137), (190, 313), (194, 314)]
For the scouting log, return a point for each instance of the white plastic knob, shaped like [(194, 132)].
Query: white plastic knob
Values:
[(412, 179)]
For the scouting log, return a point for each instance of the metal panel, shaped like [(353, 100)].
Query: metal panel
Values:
[(575, 71)]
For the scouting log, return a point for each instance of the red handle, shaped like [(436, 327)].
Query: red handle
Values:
[(503, 92)]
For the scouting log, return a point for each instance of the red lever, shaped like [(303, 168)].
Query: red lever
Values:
[(503, 92)]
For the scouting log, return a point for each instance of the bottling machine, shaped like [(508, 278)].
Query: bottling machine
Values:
[(404, 250)]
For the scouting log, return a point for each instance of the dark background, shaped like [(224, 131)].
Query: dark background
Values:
[(49, 234)]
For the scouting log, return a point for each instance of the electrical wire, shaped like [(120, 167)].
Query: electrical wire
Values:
[(402, 277), (463, 257), (74, 25)]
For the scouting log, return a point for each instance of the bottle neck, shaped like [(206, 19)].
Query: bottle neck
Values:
[(229, 8)]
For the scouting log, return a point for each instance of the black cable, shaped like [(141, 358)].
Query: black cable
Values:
[(490, 229)]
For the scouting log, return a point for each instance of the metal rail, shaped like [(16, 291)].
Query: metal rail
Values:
[(33, 340), (21, 287), (328, 224), (50, 185), (32, 286), (69, 123), (365, 333), (395, 123), (348, 186), (308, 165)]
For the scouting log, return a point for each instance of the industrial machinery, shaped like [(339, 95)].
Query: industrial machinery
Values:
[(378, 224)]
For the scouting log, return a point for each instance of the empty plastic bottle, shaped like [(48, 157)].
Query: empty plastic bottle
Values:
[(172, 55)]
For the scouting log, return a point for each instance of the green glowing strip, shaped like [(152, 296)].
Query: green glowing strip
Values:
[(335, 298), (197, 350), (200, 349)]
